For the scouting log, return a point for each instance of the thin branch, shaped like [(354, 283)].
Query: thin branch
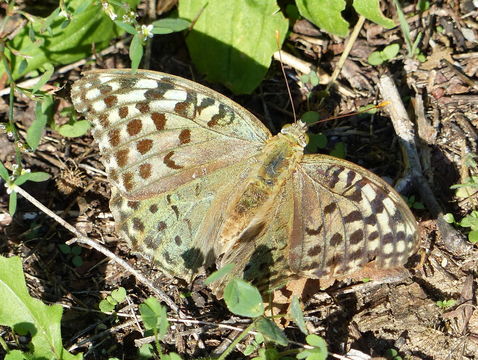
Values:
[(83, 239)]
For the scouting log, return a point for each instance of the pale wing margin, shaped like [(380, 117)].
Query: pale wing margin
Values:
[(157, 131), (345, 217)]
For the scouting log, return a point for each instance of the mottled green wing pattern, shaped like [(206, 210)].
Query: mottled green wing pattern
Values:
[(345, 217)]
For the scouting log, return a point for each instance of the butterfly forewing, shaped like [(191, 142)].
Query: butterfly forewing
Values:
[(345, 217), (156, 132)]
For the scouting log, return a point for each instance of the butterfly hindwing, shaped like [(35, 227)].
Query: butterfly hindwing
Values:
[(345, 217)]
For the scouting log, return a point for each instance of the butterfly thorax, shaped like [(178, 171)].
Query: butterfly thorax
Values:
[(250, 211)]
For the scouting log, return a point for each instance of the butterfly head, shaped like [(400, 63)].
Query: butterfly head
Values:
[(297, 132)]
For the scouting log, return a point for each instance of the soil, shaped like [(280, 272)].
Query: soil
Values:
[(400, 312)]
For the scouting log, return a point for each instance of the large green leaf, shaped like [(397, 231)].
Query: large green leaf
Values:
[(232, 42), (370, 9), (325, 14), (60, 44), (25, 314)]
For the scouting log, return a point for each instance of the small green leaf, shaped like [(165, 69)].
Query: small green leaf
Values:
[(154, 316), (12, 203), (325, 14), (310, 117), (473, 236), (146, 351), (271, 331), (43, 113), (4, 172), (77, 261), (319, 352), (34, 176), (126, 27), (375, 58), (119, 294), (44, 78), (297, 314), (64, 248), (370, 9), (170, 25), (15, 355), (449, 218), (216, 275), (105, 306), (469, 221), (243, 299), (390, 51), (136, 51), (75, 129)]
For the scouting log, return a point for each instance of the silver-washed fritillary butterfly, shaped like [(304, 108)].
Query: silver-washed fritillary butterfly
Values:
[(196, 179)]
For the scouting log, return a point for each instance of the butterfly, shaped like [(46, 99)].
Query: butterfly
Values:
[(198, 180)]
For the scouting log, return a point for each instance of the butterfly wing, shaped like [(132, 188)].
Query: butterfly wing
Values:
[(345, 217), (169, 147), (157, 131)]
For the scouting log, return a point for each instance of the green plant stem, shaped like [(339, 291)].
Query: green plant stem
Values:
[(236, 341)]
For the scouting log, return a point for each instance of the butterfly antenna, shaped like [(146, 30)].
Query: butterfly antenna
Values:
[(382, 104), (285, 76)]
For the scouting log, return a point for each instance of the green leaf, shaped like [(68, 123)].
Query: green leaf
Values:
[(34, 176), (154, 316), (18, 307), (15, 355), (319, 352), (310, 117), (136, 51), (473, 236), (375, 58), (449, 218), (216, 275), (12, 203), (75, 129), (43, 112), (390, 51), (370, 9), (271, 331), (297, 314), (469, 221), (126, 27), (64, 249), (146, 351), (232, 42), (4, 172), (105, 306), (44, 78), (77, 261), (63, 45), (119, 294), (243, 299), (170, 25), (325, 14)]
